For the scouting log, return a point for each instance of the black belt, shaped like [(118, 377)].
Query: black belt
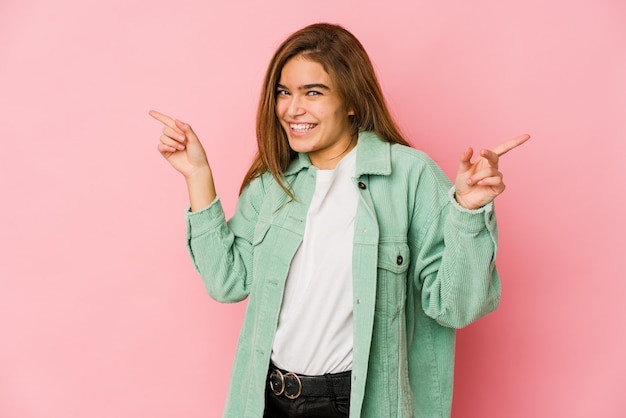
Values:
[(292, 385)]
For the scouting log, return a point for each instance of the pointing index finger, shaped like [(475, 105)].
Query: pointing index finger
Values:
[(164, 119), (510, 144)]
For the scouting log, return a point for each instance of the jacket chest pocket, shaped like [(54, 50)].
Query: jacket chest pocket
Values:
[(393, 264)]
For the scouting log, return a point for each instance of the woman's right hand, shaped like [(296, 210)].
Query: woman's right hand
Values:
[(180, 146)]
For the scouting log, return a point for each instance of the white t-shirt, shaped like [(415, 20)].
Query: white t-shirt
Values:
[(314, 334)]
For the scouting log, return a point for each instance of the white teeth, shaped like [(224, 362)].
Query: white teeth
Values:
[(301, 127)]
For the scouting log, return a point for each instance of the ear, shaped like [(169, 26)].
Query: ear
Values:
[(350, 112)]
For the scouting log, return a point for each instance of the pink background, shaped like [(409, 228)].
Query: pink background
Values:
[(101, 313)]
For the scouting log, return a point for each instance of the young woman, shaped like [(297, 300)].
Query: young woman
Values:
[(358, 257)]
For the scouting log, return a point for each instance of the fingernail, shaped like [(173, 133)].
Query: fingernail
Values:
[(181, 137)]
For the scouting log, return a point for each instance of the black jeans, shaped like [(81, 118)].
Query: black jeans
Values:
[(330, 400)]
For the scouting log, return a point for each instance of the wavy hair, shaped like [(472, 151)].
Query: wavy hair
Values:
[(345, 60)]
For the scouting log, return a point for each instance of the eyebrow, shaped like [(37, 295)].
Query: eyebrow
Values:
[(307, 86)]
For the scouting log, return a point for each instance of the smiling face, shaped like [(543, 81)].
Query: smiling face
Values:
[(313, 114)]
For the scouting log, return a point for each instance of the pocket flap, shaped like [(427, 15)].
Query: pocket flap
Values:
[(393, 256)]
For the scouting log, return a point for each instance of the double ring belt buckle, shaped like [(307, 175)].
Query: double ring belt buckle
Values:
[(288, 384)]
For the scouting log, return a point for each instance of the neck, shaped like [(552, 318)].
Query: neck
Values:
[(331, 162)]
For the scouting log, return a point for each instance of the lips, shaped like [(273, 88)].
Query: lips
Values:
[(301, 127)]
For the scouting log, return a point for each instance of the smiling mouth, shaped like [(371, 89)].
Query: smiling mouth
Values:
[(301, 127)]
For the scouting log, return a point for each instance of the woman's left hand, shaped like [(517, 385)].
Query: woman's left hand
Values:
[(478, 183)]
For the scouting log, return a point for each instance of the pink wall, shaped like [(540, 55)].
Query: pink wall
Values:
[(101, 314)]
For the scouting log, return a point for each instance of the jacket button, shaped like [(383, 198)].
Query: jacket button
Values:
[(362, 185), (399, 260)]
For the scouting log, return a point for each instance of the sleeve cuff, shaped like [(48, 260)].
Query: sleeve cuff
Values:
[(472, 220), (205, 219)]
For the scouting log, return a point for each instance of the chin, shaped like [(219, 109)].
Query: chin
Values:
[(300, 148), (301, 145)]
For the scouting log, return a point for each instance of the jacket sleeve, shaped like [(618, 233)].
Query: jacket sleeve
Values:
[(222, 252), (456, 264)]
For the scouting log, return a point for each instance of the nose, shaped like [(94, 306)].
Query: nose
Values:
[(295, 107)]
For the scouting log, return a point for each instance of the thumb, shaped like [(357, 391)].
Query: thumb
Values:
[(465, 161), (186, 128)]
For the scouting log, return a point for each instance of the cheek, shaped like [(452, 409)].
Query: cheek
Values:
[(279, 108), (320, 111), (282, 106)]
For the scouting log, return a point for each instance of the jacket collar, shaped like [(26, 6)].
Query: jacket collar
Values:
[(373, 156), (301, 162)]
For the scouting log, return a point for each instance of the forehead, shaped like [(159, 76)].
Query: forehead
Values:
[(300, 71)]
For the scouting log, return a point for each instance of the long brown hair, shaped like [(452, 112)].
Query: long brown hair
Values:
[(344, 59)]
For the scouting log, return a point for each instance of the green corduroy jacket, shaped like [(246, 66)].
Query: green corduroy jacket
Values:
[(423, 266)]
